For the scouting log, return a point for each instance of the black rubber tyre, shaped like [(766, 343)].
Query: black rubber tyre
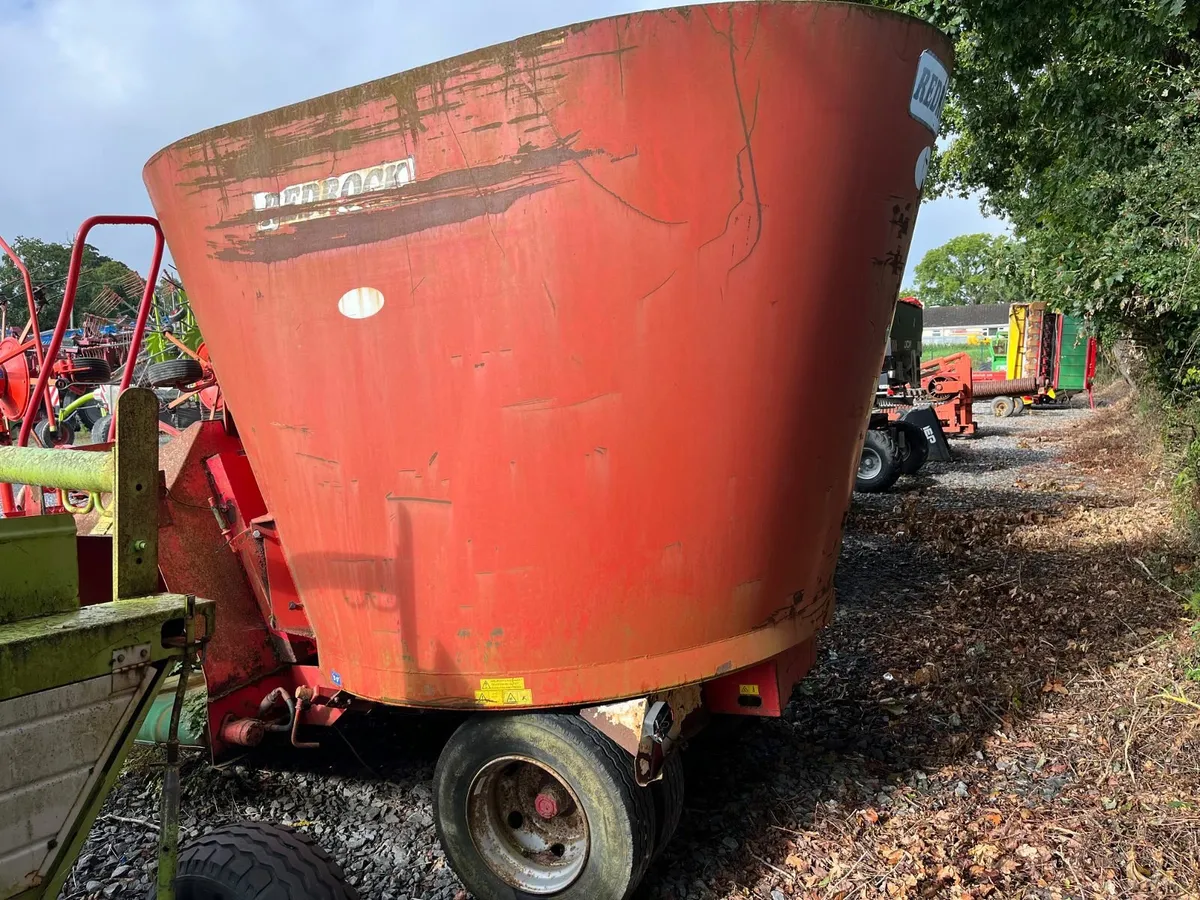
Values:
[(668, 801), (253, 861), (174, 373), (100, 430), (619, 815), (879, 466), (916, 448), (63, 437), (87, 416), (89, 370)]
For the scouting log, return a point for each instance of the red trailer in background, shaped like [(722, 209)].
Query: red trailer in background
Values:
[(595, 277)]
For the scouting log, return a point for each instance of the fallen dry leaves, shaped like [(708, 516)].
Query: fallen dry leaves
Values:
[(1002, 707)]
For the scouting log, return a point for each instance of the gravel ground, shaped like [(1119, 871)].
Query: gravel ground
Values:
[(366, 795)]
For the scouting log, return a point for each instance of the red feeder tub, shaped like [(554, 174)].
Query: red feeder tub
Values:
[(528, 356)]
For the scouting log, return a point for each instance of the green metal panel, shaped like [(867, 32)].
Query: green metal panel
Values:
[(75, 470), (135, 488), (37, 653), (39, 574), (1073, 349)]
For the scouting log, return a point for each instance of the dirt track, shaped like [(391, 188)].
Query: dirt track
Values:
[(985, 717)]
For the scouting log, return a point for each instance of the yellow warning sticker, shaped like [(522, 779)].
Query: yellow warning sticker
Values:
[(506, 698), (748, 690), (502, 684)]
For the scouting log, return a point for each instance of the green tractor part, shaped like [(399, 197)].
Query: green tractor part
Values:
[(77, 680), (84, 674)]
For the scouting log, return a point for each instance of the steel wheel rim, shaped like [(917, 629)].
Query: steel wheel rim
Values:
[(870, 464), (528, 825)]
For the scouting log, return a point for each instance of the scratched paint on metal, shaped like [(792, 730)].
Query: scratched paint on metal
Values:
[(385, 176), (630, 254)]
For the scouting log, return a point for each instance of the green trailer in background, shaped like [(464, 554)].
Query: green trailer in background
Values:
[(1045, 359)]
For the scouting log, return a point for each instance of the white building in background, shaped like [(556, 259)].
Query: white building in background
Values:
[(964, 324)]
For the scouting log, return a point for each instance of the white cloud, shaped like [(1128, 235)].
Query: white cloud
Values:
[(96, 87), (940, 220)]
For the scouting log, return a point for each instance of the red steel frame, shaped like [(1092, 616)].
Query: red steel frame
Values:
[(64, 318), (7, 501)]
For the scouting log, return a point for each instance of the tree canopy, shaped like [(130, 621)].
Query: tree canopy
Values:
[(1079, 120), (967, 270), (47, 263)]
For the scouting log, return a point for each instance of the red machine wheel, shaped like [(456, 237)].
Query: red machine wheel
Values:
[(1003, 407), (63, 436), (16, 385), (541, 804)]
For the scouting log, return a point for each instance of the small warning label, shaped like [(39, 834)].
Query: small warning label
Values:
[(748, 690), (506, 698), (502, 684)]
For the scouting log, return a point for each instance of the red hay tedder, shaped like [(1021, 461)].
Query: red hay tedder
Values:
[(598, 278)]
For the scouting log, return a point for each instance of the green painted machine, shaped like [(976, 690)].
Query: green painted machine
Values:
[(87, 641)]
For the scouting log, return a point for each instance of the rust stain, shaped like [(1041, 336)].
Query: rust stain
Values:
[(531, 164), (448, 198), (274, 143), (546, 404), (370, 228), (321, 459), (540, 402), (392, 498)]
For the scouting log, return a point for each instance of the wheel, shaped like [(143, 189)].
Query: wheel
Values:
[(62, 437), (1002, 407), (916, 448), (174, 373), (542, 803), (253, 861), (879, 465), (1019, 406), (87, 415), (668, 801), (89, 370), (100, 430)]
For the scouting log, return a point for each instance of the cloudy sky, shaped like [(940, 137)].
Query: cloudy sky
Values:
[(93, 88)]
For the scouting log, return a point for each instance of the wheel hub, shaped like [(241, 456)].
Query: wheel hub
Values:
[(528, 826), (870, 465)]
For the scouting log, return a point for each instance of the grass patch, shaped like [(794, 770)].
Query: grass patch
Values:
[(981, 354)]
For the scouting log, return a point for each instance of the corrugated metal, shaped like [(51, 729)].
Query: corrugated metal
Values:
[(51, 747)]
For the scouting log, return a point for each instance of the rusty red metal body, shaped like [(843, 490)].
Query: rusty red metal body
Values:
[(526, 348), (949, 382)]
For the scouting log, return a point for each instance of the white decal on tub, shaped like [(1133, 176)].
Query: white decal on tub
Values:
[(929, 92), (360, 303), (382, 177), (923, 167)]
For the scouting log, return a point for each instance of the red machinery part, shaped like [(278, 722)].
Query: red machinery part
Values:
[(14, 379), (761, 690), (951, 380), (68, 304), (541, 325)]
